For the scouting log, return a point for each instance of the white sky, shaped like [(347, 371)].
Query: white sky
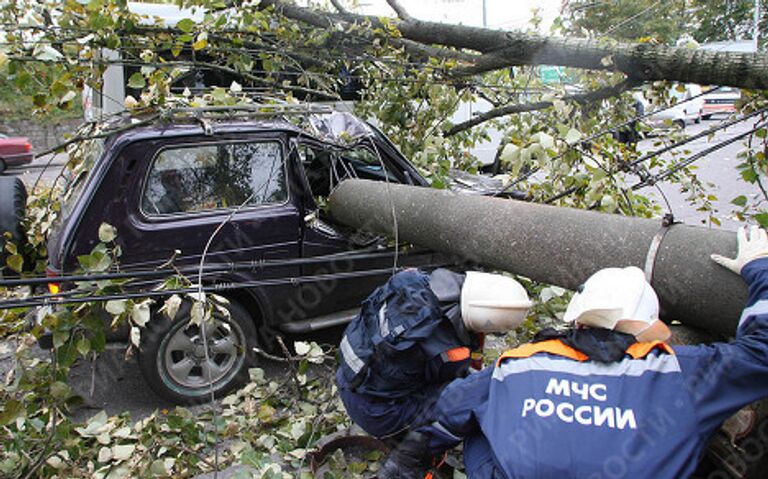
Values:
[(502, 14)]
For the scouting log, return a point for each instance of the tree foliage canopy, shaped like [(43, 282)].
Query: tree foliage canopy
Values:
[(557, 142), (667, 22)]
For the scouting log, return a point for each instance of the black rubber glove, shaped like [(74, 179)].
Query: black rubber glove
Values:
[(409, 460)]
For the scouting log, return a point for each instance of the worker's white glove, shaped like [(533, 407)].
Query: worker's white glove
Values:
[(750, 247)]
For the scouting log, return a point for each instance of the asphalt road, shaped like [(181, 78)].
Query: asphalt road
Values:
[(115, 384), (718, 168), (47, 168)]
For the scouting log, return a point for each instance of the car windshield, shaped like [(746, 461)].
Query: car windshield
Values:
[(88, 151)]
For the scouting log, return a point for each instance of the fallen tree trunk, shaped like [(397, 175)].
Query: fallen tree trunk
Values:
[(560, 246), (500, 49)]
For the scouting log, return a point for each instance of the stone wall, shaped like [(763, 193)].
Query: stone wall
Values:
[(41, 135)]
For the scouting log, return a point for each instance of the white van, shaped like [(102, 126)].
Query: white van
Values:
[(683, 111)]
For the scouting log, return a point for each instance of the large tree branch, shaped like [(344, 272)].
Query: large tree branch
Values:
[(338, 6), (599, 94), (399, 10), (501, 49), (327, 20)]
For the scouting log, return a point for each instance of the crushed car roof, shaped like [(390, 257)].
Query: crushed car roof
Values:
[(324, 124)]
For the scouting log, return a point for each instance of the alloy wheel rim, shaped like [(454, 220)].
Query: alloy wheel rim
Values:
[(183, 362)]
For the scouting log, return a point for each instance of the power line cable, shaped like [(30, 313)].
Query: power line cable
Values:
[(594, 136)]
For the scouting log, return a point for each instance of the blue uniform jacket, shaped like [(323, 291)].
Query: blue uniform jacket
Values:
[(555, 414)]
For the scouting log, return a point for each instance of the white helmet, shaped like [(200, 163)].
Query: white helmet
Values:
[(617, 298), (492, 303)]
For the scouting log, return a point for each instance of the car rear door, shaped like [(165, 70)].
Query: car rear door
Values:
[(167, 197)]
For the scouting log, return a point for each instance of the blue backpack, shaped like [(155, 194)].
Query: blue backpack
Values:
[(382, 352)]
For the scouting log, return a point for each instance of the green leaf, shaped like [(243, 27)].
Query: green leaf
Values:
[(301, 347), (46, 53), (95, 425), (39, 99), (11, 410), (15, 262), (60, 337), (122, 452), (198, 313), (201, 42), (762, 218), (572, 136), (97, 261), (60, 390), (219, 94), (137, 81), (140, 314), (83, 346), (135, 336), (116, 306), (23, 79), (749, 175), (105, 455), (739, 200), (761, 133), (59, 89), (171, 306), (509, 154), (186, 25), (107, 232)]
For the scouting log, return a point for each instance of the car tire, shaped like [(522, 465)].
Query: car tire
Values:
[(698, 118), (706, 117), (172, 359), (13, 201), (3, 166), (680, 124)]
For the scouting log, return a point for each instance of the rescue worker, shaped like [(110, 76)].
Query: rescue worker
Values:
[(607, 398), (413, 336)]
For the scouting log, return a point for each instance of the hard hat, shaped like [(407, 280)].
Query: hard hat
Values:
[(492, 303), (612, 295)]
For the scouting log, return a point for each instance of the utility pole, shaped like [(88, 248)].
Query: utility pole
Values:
[(485, 14), (756, 33)]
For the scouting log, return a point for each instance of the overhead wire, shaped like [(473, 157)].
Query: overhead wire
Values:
[(653, 179), (646, 180), (632, 18), (226, 286)]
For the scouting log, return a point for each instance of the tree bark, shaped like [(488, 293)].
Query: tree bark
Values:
[(499, 49), (561, 246)]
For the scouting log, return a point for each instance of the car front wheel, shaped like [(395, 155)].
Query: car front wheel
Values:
[(173, 359)]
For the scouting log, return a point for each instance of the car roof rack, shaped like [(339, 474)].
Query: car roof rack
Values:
[(204, 114), (256, 109)]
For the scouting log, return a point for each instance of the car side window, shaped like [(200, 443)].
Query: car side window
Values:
[(196, 178)]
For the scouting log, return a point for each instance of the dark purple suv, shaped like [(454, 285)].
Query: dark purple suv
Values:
[(167, 186)]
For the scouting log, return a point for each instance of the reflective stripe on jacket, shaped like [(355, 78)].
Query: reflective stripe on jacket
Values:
[(547, 410)]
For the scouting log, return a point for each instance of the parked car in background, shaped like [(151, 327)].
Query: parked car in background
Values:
[(686, 107), (14, 151), (720, 100)]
